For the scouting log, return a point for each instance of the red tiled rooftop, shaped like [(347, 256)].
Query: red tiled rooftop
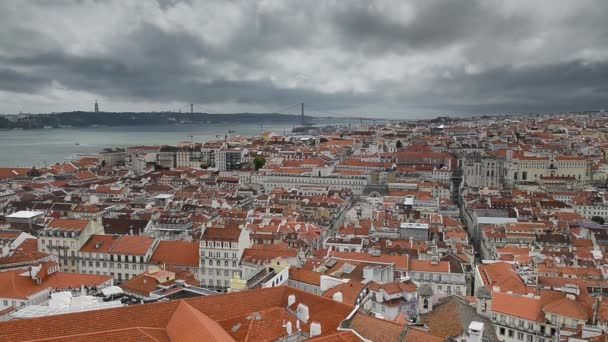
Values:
[(176, 253), (218, 308), (68, 224), (132, 245)]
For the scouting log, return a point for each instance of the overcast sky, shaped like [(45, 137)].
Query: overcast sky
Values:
[(382, 59)]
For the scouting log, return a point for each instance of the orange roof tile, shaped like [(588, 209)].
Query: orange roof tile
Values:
[(132, 245), (429, 266), (68, 224), (154, 319)]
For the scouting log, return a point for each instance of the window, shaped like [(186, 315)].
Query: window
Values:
[(210, 262), (501, 331), (520, 336), (510, 333)]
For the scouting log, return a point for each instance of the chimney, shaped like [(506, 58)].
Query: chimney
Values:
[(302, 313), (337, 297), (315, 329), (288, 328), (475, 331), (291, 299)]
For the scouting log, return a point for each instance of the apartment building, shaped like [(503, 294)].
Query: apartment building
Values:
[(65, 237), (227, 159), (221, 250), (439, 275), (121, 256), (335, 181)]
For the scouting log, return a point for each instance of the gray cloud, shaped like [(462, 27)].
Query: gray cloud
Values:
[(385, 59)]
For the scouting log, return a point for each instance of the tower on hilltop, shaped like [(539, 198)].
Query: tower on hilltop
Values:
[(96, 107)]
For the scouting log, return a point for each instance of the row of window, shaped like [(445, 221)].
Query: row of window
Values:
[(118, 265), (218, 263), (218, 244), (58, 243), (218, 283), (218, 255), (219, 272)]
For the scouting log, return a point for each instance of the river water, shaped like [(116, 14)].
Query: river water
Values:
[(27, 148)]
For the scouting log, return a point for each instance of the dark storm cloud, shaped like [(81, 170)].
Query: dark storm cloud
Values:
[(434, 24), (401, 57)]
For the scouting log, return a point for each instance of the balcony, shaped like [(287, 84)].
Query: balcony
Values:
[(56, 247)]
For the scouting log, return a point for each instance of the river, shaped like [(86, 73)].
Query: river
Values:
[(27, 148)]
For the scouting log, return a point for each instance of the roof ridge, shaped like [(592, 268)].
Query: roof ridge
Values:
[(150, 328), (90, 333)]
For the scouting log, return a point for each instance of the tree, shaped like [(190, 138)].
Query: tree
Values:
[(258, 162), (103, 163), (399, 144), (598, 219)]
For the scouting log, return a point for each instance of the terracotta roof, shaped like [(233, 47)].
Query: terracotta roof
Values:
[(568, 307), (350, 291), (132, 245), (400, 261), (68, 224), (503, 275), (451, 317), (376, 329), (154, 319), (428, 266), (99, 244), (416, 335), (221, 234), (346, 336), (148, 282), (518, 306), (304, 276), (177, 253), (189, 324), (14, 285)]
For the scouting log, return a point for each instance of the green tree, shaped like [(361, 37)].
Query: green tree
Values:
[(399, 144), (598, 219), (258, 162)]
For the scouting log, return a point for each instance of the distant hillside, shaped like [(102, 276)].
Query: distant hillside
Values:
[(84, 119)]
